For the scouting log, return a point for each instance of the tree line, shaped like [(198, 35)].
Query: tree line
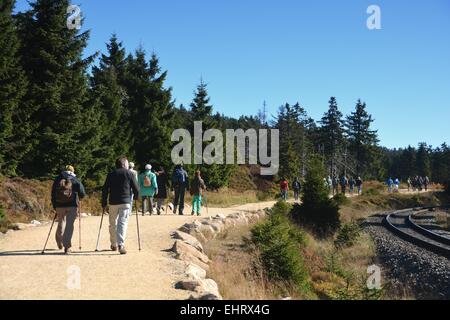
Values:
[(59, 107)]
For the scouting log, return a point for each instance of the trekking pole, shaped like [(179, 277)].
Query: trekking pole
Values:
[(45, 245), (100, 229), (79, 225), (137, 224)]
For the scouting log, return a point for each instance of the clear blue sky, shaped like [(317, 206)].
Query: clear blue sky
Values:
[(282, 51)]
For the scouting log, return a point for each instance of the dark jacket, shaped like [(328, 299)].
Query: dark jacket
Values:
[(77, 191), (180, 178), (118, 187), (197, 187), (162, 185)]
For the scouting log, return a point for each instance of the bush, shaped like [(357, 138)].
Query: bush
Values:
[(280, 243), (317, 211), (348, 235), (340, 199), (4, 222)]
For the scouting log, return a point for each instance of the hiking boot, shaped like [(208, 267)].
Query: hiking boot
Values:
[(67, 251), (122, 250), (113, 248), (60, 246), (192, 213)]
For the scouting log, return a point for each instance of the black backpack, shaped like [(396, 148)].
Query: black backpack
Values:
[(64, 192)]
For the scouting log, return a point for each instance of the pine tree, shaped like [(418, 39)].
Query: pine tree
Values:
[(58, 97), (332, 134), (423, 160), (361, 139), (12, 89)]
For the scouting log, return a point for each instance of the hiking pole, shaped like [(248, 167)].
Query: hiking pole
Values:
[(79, 225), (45, 245), (100, 229), (137, 224)]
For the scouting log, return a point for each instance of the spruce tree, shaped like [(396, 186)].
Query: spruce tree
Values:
[(13, 132), (332, 134), (66, 121), (361, 139), (423, 160)]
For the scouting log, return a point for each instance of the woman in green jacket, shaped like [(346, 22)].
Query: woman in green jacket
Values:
[(148, 188)]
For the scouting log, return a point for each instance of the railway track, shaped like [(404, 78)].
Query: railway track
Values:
[(402, 224)]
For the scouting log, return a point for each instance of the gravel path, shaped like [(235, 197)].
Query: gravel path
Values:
[(149, 274), (411, 269)]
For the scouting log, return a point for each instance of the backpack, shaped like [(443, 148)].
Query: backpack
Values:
[(147, 181), (64, 192), (296, 185), (180, 177)]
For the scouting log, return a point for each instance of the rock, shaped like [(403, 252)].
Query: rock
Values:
[(21, 226), (181, 247), (187, 257), (206, 296), (190, 285), (207, 231), (84, 215), (216, 226), (221, 216), (189, 239), (188, 227), (195, 272), (210, 286), (35, 222)]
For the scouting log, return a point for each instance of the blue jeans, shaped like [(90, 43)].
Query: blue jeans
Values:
[(118, 223), (284, 195)]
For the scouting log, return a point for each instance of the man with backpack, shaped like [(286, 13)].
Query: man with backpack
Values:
[(197, 187), (67, 191), (359, 184), (117, 189), (344, 182), (351, 184), (180, 182), (296, 186), (149, 188)]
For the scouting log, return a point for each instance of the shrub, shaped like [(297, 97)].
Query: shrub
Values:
[(280, 243), (340, 199), (348, 235), (317, 211), (4, 222)]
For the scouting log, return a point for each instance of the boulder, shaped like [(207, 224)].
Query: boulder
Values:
[(189, 227), (180, 247), (35, 222), (189, 239), (195, 272), (190, 285), (216, 226), (187, 257), (209, 285), (221, 216)]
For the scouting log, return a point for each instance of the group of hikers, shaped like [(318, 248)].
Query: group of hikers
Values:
[(122, 186), (334, 183), (416, 183), (284, 189)]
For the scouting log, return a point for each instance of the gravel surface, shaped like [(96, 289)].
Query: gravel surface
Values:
[(411, 270)]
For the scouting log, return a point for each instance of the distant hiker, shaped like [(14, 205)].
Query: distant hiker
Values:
[(284, 188), (359, 184), (343, 182), (149, 188), (135, 174), (426, 182), (389, 183), (351, 184), (396, 184), (117, 189), (67, 190), (296, 186), (409, 183), (330, 184), (163, 183), (197, 187), (180, 182), (335, 185)]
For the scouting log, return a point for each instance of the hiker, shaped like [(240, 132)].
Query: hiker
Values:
[(117, 192), (135, 174), (426, 182), (197, 187), (67, 191), (284, 188), (296, 186), (408, 181), (180, 182), (343, 182), (358, 184), (330, 184), (148, 188), (351, 184), (335, 185), (163, 183), (389, 183), (396, 185)]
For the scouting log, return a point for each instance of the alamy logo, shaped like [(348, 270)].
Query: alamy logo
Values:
[(73, 278), (74, 18), (374, 20), (245, 151)]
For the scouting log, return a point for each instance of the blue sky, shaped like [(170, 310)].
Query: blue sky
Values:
[(282, 51)]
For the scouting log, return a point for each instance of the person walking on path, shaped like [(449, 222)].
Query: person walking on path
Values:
[(148, 186), (344, 182), (197, 187), (163, 183), (389, 183), (396, 185), (296, 186), (135, 174), (67, 191), (284, 188), (359, 184), (335, 185), (351, 184), (117, 191), (180, 182)]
